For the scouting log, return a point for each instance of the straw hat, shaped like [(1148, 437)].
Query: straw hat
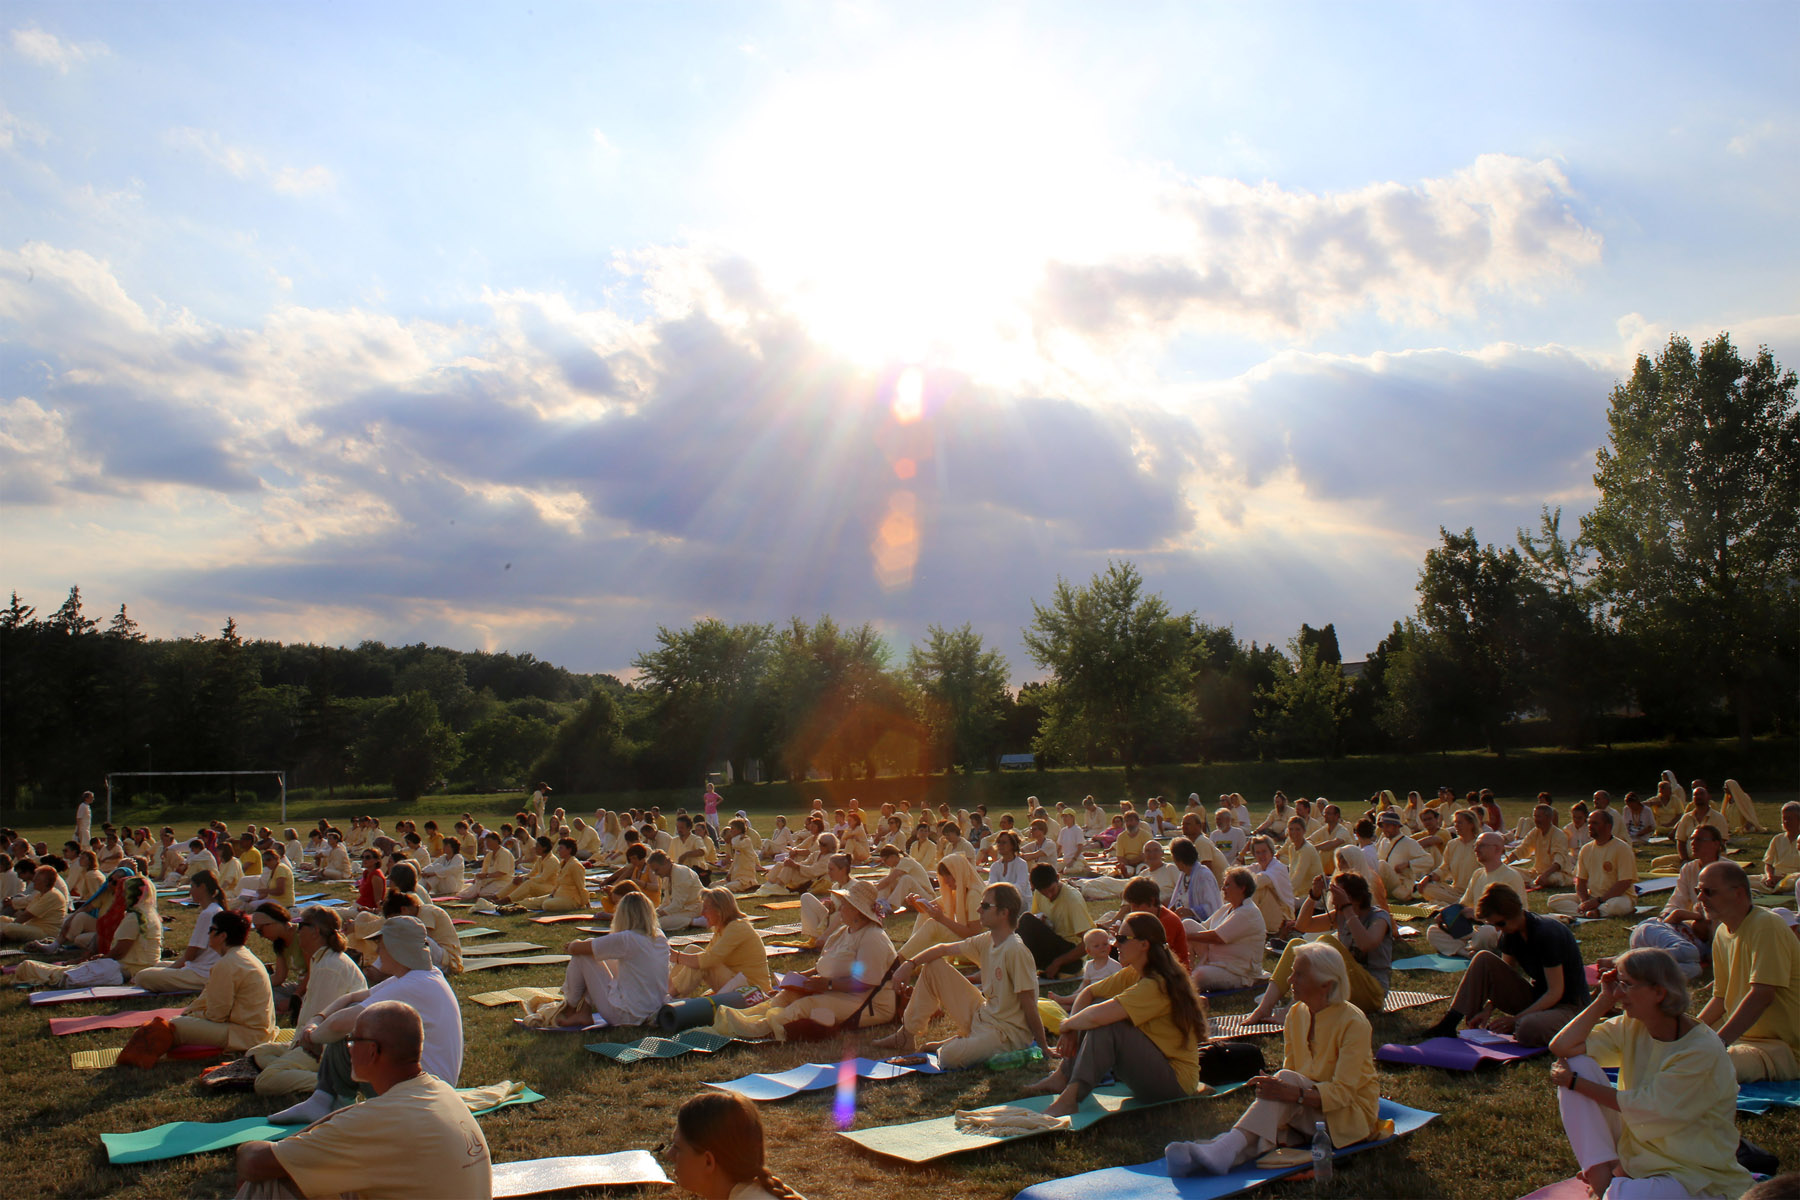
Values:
[(860, 895)]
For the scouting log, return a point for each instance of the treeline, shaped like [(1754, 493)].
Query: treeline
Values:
[(1675, 611)]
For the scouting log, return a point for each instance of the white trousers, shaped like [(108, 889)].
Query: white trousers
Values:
[(1485, 937), (1594, 1136), (816, 921), (1569, 906)]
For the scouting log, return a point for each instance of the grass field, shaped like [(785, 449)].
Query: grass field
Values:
[(1498, 1135)]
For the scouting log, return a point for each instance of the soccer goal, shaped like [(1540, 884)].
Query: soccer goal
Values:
[(280, 778)]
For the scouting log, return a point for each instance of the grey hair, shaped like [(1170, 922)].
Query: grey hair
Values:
[(1657, 968), (1324, 964)]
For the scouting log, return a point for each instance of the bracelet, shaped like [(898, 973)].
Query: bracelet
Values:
[(1573, 1080)]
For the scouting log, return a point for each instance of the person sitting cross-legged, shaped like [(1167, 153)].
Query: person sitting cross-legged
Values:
[(1668, 1129), (1605, 874), (413, 1139), (734, 958), (1328, 1075), (1053, 929), (1531, 988), (1682, 928), (1001, 1015), (1755, 1005), (1142, 1025), (1354, 927), (1489, 868), (1226, 949), (236, 1009)]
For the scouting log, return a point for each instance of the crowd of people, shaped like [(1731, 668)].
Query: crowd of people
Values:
[(1141, 912)]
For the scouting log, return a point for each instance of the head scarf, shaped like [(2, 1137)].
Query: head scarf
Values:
[(962, 898), (1676, 791)]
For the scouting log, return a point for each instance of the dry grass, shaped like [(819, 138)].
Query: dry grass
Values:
[(1499, 1135)]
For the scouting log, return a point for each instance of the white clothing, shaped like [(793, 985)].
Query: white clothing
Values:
[(626, 978), (430, 996), (1017, 873)]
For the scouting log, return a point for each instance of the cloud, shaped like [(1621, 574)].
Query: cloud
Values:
[(48, 50), (15, 130), (250, 166), (1283, 263)]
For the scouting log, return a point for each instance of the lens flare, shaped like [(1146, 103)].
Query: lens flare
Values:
[(896, 544), (843, 1104), (909, 396), (906, 468)]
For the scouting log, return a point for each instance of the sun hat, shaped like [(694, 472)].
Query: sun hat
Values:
[(403, 941), (860, 895)]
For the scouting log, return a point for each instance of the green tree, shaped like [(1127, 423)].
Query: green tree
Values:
[(1573, 672), (961, 686), (590, 752), (499, 751), (833, 698), (408, 743), (1304, 707), (709, 685), (1119, 660), (1697, 532)]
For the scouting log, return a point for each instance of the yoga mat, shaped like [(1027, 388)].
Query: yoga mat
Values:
[(1233, 1026), (539, 1176), (813, 1077), (926, 1141), (1411, 912), (63, 1026), (178, 1139), (530, 960), (1761, 1097), (1151, 1181), (688, 1041), (1637, 914), (464, 935), (512, 996), (1568, 1189), (783, 905), (522, 1027), (95, 1060), (504, 948), (1454, 1053), (560, 918), (1399, 1001), (1660, 884), (109, 992), (1217, 994), (1432, 962), (788, 930)]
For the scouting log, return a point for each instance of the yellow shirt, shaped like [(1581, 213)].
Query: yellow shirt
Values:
[(143, 929), (1333, 1049), (337, 860), (1006, 970), (1067, 915), (45, 911), (1763, 950), (1783, 855), (238, 994), (1548, 848), (1604, 866), (1677, 1104), (1146, 1004), (281, 883), (1302, 862), (499, 862), (252, 861), (1459, 863), (740, 950), (680, 848), (1129, 844), (442, 929), (1481, 880), (1684, 828), (571, 881), (416, 1141)]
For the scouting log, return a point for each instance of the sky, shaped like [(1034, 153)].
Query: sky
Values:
[(537, 327)]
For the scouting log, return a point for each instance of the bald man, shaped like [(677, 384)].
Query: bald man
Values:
[(415, 1140)]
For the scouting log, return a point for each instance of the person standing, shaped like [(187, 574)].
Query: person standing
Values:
[(84, 818)]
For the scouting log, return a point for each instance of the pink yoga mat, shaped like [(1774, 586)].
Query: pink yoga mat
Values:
[(1568, 1189), (63, 1026)]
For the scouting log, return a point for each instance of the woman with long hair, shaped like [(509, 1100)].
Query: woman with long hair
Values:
[(1142, 1025), (621, 977), (718, 1151)]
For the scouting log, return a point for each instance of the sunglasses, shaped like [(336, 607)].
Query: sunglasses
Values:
[(985, 905)]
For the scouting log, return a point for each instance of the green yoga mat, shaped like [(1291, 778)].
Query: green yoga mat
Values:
[(689, 1041), (924, 1141), (181, 1138)]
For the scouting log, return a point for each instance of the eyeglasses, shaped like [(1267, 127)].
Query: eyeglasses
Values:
[(1120, 941), (353, 1040)]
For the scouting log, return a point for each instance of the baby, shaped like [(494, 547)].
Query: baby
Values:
[(1100, 962)]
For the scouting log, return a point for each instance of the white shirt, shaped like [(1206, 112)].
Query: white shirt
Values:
[(1069, 841), (203, 962), (430, 995), (1277, 877), (1243, 929), (1017, 873), (642, 981), (1230, 841)]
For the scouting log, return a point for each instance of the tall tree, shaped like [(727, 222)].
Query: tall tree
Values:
[(1697, 532), (961, 686), (709, 685), (1573, 674), (1304, 707), (1120, 665), (408, 744), (835, 701)]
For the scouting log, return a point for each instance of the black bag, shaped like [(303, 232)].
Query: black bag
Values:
[(1755, 1159), (1229, 1062), (1456, 921)]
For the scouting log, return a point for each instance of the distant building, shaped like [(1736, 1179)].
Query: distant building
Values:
[(1018, 762)]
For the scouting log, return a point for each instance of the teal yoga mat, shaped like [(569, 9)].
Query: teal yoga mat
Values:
[(1432, 962), (1151, 1180), (924, 1141), (1761, 1097), (689, 1041), (178, 1139)]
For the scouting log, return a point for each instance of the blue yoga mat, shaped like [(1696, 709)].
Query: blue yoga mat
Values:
[(1662, 883), (1432, 962), (813, 1077), (1151, 1180), (1761, 1097)]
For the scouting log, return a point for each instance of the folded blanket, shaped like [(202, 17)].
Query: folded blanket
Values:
[(1007, 1121)]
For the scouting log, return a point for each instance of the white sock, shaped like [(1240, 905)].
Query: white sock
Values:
[(1180, 1157), (1222, 1153), (319, 1104)]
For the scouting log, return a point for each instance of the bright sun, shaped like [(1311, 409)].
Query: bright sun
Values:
[(906, 212)]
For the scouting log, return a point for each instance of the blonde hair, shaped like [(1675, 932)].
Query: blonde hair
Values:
[(635, 915)]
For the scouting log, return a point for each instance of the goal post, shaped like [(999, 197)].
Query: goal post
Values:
[(280, 779)]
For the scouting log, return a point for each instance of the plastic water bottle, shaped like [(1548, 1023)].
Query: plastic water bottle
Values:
[(1008, 1059), (1321, 1155)]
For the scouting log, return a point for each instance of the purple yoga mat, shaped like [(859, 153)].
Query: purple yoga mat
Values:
[(1454, 1054)]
